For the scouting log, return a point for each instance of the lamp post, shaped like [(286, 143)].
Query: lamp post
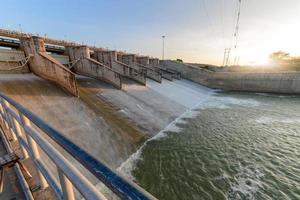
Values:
[(163, 47)]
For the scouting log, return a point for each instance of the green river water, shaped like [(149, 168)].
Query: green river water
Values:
[(227, 152)]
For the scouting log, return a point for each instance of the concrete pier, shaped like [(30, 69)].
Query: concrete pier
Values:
[(85, 65), (152, 73), (154, 62), (46, 66), (109, 58)]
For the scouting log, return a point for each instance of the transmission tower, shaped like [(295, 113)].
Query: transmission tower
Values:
[(226, 56), (236, 31)]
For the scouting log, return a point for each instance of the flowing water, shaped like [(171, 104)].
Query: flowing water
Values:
[(226, 146)]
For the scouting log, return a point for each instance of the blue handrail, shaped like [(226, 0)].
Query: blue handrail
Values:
[(122, 187)]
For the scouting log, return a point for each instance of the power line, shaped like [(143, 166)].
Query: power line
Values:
[(208, 17), (236, 32)]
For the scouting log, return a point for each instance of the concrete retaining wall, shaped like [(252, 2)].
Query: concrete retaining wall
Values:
[(61, 58), (151, 73), (47, 67), (11, 55), (283, 82), (10, 62), (154, 75), (110, 58), (87, 66)]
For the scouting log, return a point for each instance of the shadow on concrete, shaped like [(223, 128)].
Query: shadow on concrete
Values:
[(29, 84)]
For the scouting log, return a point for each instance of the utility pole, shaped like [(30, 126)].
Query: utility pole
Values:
[(163, 47), (226, 56)]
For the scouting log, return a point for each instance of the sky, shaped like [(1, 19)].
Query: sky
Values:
[(195, 30)]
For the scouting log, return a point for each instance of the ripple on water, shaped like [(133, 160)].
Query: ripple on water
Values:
[(231, 149)]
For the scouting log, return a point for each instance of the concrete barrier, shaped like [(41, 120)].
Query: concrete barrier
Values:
[(109, 58), (63, 59), (47, 67), (85, 65), (130, 60), (12, 61), (155, 63), (282, 82), (151, 72)]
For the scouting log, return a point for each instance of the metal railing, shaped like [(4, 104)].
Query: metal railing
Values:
[(29, 129), (16, 42)]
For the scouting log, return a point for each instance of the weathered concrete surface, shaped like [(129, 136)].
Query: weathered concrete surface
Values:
[(283, 82), (151, 110), (109, 58), (63, 59), (151, 72), (130, 60), (88, 121), (108, 123), (47, 67), (85, 65), (10, 61), (155, 63)]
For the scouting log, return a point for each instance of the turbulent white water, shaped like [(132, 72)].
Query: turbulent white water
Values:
[(191, 95), (224, 146)]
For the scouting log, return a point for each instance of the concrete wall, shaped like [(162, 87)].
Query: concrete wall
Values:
[(87, 66), (111, 59), (11, 55), (47, 67), (283, 82), (10, 61), (106, 57), (151, 72), (61, 58), (130, 60)]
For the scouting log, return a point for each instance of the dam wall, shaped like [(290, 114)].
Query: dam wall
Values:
[(151, 72), (61, 58), (109, 58), (85, 65), (46, 66), (283, 82), (12, 61)]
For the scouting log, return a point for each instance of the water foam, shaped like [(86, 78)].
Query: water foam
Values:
[(248, 182), (195, 98), (271, 120)]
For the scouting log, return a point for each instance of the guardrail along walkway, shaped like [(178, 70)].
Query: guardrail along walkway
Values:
[(30, 131)]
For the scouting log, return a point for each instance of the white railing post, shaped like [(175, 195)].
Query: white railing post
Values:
[(9, 124), (20, 135), (34, 150), (66, 186), (3, 113)]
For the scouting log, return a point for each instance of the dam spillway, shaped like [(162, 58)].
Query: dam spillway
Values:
[(145, 109), (116, 105)]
